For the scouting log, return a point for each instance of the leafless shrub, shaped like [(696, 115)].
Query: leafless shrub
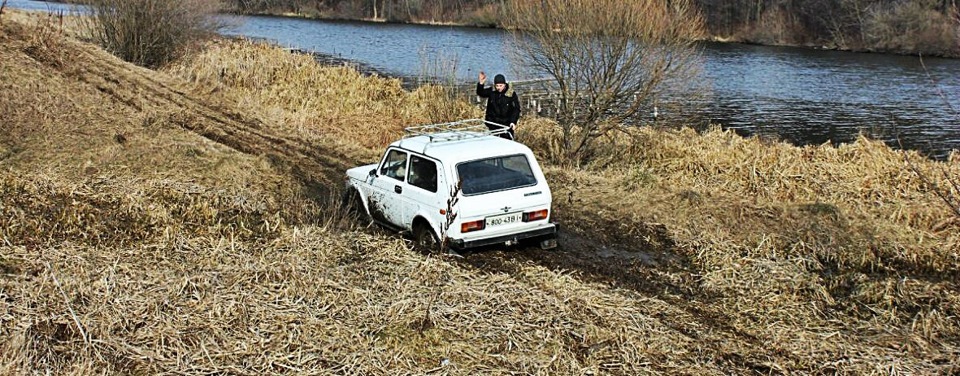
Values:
[(950, 199), (44, 43), (3, 6), (912, 26), (834, 23), (776, 26), (607, 58), (151, 33), (485, 15)]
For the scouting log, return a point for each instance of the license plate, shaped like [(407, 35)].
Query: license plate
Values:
[(506, 219)]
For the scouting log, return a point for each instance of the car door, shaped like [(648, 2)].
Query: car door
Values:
[(424, 193), (387, 202)]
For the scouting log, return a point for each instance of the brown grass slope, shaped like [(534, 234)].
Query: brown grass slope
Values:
[(816, 252), (76, 114), (181, 222), (131, 245)]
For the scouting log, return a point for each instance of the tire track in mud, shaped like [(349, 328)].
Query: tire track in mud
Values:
[(648, 272), (316, 166)]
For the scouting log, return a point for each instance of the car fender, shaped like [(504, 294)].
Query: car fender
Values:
[(433, 220), (359, 179), (352, 188)]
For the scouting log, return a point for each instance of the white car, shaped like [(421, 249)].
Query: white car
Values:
[(460, 182)]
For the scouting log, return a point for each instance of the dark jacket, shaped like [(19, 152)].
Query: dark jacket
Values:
[(502, 108)]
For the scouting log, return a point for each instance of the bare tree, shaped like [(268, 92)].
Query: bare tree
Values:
[(151, 33), (607, 58)]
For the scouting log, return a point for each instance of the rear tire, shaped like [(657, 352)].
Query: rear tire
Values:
[(424, 240)]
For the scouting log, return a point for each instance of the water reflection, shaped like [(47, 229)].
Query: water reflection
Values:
[(812, 97), (41, 6)]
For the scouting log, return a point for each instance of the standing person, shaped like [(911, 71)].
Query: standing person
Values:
[(503, 104)]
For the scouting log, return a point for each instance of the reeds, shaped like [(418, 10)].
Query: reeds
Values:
[(40, 211), (319, 303), (842, 239), (293, 91)]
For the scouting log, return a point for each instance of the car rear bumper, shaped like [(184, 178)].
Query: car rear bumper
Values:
[(547, 231)]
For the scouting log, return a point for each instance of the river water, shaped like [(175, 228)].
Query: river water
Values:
[(803, 96)]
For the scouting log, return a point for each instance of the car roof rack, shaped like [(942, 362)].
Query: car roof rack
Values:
[(456, 130)]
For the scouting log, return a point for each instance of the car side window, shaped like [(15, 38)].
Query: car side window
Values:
[(395, 165), (423, 173)]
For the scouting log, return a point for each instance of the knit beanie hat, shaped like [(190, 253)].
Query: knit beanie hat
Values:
[(499, 79)]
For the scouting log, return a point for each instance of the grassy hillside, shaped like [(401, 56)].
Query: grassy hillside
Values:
[(185, 221)]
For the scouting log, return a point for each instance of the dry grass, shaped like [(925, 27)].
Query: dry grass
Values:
[(184, 224), (794, 243), (106, 210), (298, 94), (316, 302)]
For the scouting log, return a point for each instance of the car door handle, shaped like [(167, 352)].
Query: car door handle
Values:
[(398, 189)]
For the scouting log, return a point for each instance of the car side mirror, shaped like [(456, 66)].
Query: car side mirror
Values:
[(373, 173)]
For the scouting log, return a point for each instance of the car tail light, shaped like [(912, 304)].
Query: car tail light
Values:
[(472, 226), (535, 215)]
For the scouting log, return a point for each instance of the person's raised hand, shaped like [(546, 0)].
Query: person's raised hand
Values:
[(483, 77)]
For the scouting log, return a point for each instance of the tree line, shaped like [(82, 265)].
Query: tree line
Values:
[(471, 12), (929, 27)]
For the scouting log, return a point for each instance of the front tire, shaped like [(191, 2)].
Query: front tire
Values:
[(351, 200), (352, 205)]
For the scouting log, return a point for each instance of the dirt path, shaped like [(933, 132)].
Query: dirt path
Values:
[(655, 275), (315, 165)]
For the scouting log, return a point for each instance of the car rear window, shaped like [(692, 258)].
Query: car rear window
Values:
[(495, 174)]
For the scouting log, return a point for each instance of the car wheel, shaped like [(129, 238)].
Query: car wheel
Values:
[(350, 201), (424, 240), (352, 205)]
